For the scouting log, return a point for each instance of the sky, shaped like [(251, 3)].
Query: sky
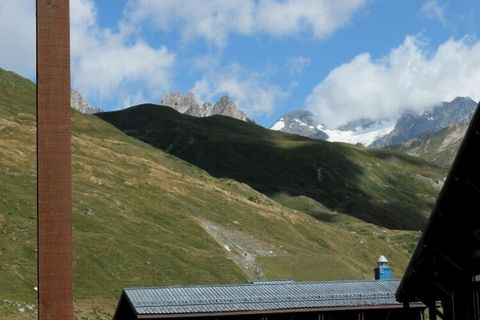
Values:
[(340, 59)]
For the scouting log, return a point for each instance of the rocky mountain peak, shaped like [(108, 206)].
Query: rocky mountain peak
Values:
[(462, 100), (180, 102), (188, 104), (79, 103), (301, 122), (226, 107), (225, 100), (203, 110)]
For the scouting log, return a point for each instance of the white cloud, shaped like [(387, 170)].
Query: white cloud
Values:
[(110, 66), (432, 9), (322, 17), (297, 64), (107, 66), (215, 20), (17, 36), (251, 91), (408, 77)]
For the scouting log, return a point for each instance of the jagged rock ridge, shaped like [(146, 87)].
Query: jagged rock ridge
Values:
[(181, 103), (188, 104), (79, 103), (301, 122), (412, 125), (225, 106)]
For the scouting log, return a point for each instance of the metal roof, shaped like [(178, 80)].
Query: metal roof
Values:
[(261, 296)]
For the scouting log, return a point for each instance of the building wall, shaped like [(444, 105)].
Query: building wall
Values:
[(372, 314)]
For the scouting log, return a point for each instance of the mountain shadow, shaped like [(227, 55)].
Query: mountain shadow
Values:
[(386, 188)]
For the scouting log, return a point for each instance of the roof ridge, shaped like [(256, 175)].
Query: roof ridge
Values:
[(267, 283)]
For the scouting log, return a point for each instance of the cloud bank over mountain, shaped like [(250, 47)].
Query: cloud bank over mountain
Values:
[(409, 77)]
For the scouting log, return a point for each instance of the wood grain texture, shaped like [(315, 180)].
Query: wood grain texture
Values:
[(54, 182)]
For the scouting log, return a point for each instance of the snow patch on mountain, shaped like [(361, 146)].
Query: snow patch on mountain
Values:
[(363, 135), (300, 122), (307, 124), (279, 125)]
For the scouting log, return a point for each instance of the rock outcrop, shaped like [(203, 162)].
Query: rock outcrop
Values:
[(301, 122), (188, 104), (180, 102), (226, 107), (79, 103)]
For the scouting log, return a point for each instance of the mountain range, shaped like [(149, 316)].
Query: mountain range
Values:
[(412, 125), (383, 187), (409, 133), (380, 132), (144, 217)]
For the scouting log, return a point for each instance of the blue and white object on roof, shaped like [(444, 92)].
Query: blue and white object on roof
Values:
[(383, 271)]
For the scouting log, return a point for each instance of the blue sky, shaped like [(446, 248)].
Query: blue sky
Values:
[(341, 59)]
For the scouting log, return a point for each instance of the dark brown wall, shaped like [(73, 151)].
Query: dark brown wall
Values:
[(54, 201)]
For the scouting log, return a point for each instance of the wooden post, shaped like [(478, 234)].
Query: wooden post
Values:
[(432, 311), (54, 190)]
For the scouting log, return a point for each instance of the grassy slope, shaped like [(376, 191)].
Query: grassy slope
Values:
[(387, 188), (138, 217), (439, 148)]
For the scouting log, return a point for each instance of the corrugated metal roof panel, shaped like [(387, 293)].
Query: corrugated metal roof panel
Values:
[(275, 295)]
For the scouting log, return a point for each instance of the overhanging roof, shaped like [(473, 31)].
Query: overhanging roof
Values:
[(443, 256), (262, 296)]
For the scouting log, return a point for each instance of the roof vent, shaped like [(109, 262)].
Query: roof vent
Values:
[(382, 259), (383, 270)]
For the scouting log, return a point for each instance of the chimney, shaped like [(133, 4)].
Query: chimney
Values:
[(383, 270)]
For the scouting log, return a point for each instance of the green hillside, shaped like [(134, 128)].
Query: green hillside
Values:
[(439, 148), (143, 217), (386, 188)]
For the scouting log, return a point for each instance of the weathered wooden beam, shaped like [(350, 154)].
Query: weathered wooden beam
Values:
[(432, 311), (54, 182)]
